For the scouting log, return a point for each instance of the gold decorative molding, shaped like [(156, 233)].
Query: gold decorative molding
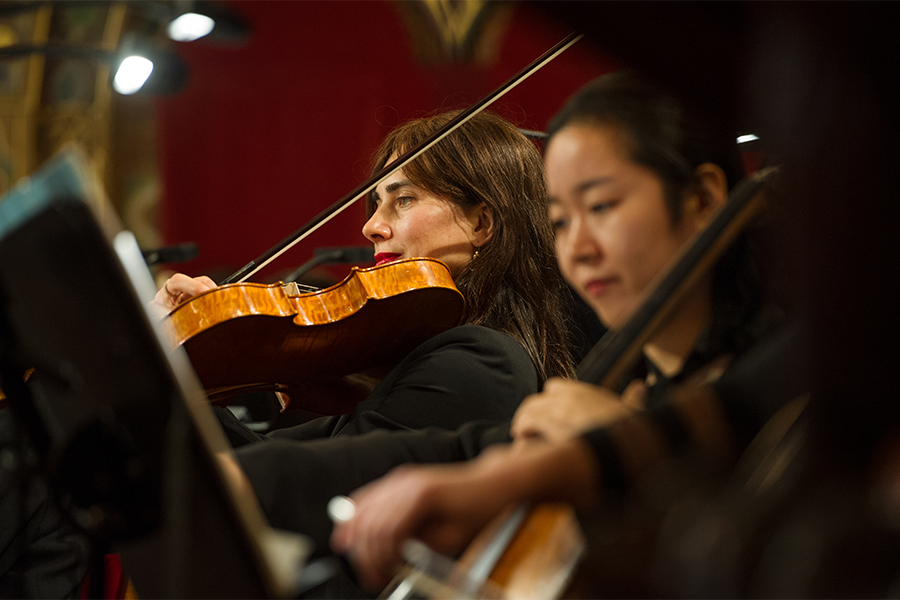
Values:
[(455, 21), (21, 82), (48, 102), (454, 31)]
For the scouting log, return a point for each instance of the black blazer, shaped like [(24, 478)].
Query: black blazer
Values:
[(470, 379)]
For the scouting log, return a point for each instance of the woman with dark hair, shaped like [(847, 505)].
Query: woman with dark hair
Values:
[(673, 142), (631, 178), (475, 201), (512, 283)]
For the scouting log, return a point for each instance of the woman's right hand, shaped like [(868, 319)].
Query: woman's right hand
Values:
[(565, 409), (445, 506), (177, 289)]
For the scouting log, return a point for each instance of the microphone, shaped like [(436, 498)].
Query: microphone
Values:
[(170, 254), (346, 254), (335, 255), (533, 135)]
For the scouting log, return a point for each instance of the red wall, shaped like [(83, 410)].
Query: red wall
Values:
[(266, 135)]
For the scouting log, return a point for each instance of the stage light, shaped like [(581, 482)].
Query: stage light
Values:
[(189, 27), (743, 139), (132, 74), (137, 66), (184, 20), (140, 66), (189, 20)]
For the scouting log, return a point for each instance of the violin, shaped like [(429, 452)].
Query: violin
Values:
[(250, 337)]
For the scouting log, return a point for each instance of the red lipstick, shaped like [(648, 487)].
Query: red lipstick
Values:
[(385, 257), (597, 287)]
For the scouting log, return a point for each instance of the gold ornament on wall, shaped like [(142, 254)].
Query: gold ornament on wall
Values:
[(455, 31), (48, 102)]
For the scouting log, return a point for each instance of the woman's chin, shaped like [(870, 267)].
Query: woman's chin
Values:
[(611, 318)]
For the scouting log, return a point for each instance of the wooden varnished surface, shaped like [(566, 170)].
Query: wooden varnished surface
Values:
[(251, 334)]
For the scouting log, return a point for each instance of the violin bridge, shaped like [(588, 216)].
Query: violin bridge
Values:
[(292, 288)]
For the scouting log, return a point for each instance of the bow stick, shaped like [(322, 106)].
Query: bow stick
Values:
[(372, 182)]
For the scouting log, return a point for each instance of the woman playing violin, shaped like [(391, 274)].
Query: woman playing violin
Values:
[(473, 201), (631, 178), (476, 201)]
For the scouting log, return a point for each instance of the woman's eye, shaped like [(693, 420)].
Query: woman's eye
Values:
[(558, 224), (600, 207)]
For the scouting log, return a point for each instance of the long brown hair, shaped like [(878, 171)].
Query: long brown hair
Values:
[(513, 285)]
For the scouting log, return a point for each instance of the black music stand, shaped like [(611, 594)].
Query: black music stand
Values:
[(119, 420)]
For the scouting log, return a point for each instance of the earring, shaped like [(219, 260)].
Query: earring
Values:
[(476, 253)]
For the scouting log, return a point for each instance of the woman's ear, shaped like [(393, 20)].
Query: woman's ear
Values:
[(710, 193), (482, 218)]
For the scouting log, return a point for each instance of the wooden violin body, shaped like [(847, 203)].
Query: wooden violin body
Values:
[(250, 337)]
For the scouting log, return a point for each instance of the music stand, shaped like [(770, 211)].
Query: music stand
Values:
[(119, 419)]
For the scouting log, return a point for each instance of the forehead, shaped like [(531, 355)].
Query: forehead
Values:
[(585, 146), (581, 154), (391, 183)]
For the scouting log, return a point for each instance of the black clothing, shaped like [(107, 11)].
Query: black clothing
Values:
[(662, 530), (295, 480), (469, 378), (751, 389), (41, 554), (465, 374)]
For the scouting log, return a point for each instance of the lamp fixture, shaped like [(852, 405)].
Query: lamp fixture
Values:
[(189, 27), (182, 20), (136, 66)]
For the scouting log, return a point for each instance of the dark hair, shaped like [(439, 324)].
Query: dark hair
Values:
[(513, 285), (672, 141)]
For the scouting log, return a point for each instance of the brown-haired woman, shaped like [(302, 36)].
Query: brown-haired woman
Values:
[(477, 202), (511, 284)]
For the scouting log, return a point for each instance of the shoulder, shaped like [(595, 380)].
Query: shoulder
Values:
[(479, 350), (472, 350), (465, 374), (474, 337)]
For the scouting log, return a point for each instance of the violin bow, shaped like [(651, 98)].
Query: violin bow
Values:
[(372, 182)]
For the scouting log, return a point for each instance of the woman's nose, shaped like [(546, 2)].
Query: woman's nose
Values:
[(376, 228), (582, 244)]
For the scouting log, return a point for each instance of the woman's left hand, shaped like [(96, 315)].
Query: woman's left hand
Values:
[(177, 289), (567, 408)]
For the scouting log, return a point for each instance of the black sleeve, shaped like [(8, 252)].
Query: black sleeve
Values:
[(443, 403), (295, 480), (41, 554)]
